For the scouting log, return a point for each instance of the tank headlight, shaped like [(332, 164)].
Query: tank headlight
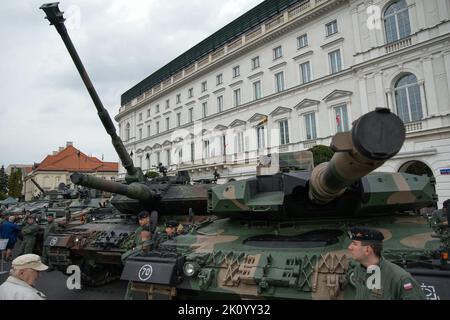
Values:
[(190, 269)]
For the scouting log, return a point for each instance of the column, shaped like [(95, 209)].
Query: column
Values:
[(381, 101), (363, 95), (423, 100), (431, 93), (442, 10), (420, 11), (446, 56), (356, 35), (390, 100)]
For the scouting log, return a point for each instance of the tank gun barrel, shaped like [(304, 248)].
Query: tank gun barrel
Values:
[(38, 186), (55, 16), (136, 191), (375, 138)]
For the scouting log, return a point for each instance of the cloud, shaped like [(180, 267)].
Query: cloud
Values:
[(43, 102)]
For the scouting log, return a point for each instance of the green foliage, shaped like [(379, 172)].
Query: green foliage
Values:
[(151, 174), (3, 181), (15, 183), (3, 196), (321, 154)]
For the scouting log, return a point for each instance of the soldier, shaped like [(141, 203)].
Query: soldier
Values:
[(29, 232), (395, 283), (144, 220), (173, 228), (50, 227), (440, 217)]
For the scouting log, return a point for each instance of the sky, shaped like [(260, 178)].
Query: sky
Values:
[(43, 102)]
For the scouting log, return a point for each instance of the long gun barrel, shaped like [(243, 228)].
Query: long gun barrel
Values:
[(55, 16), (134, 190), (375, 137), (38, 186)]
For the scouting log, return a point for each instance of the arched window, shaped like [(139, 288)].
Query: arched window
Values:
[(396, 21), (407, 98), (127, 132)]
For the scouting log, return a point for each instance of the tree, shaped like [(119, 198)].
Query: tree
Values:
[(321, 154), (151, 174), (15, 183), (3, 183)]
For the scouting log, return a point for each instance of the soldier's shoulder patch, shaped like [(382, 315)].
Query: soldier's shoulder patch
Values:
[(408, 286)]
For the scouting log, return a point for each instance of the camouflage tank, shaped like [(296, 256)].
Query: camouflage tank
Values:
[(96, 241), (282, 234)]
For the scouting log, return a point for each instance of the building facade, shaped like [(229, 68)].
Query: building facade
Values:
[(288, 75), (57, 168)]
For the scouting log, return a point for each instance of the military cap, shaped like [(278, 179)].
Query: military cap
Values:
[(365, 234), (446, 204), (29, 261), (172, 224), (143, 214), (51, 214)]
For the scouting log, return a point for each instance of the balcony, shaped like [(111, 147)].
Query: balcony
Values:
[(413, 126), (403, 43)]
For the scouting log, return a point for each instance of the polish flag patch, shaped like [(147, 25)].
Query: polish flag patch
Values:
[(408, 286)]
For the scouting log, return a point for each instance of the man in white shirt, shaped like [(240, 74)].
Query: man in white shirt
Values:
[(23, 275)]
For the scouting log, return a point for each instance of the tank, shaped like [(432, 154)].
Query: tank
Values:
[(96, 239), (283, 233)]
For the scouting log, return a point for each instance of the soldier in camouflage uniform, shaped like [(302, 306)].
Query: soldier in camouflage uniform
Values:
[(144, 220), (50, 227), (29, 232), (440, 217), (395, 283)]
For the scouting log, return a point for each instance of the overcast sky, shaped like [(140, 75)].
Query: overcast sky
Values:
[(43, 102)]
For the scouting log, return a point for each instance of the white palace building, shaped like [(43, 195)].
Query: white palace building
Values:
[(286, 76)]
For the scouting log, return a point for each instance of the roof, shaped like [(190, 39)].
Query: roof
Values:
[(72, 159), (234, 29)]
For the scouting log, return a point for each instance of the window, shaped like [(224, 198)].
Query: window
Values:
[(192, 151), (140, 133), (178, 119), (236, 72), (204, 86), (157, 127), (168, 157), (279, 81), (180, 156), (167, 104), (158, 157), (407, 99), (302, 41), (204, 109), (167, 123), (396, 21), (305, 72), (284, 132), (257, 90), (237, 97), (331, 28), (219, 79), (147, 157), (148, 131), (277, 53), (140, 116), (191, 115), (127, 131), (148, 113), (205, 149), (261, 137), (255, 62), (341, 118), (157, 108), (335, 61), (224, 144), (310, 126), (219, 103), (239, 142), (190, 92), (140, 161)]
